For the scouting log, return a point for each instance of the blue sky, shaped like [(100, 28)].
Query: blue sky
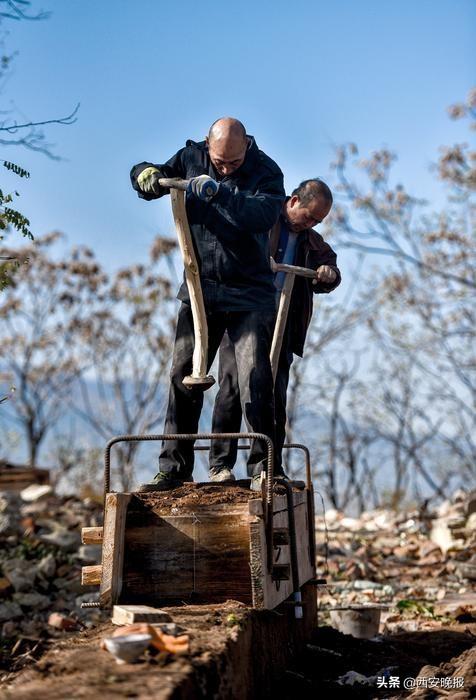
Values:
[(302, 76)]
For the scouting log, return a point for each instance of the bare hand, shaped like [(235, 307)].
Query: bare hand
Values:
[(325, 274)]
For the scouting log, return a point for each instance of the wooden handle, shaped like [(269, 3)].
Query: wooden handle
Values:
[(294, 269), (290, 272), (281, 318), (192, 277)]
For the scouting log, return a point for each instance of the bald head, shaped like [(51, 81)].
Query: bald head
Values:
[(227, 144), (227, 128)]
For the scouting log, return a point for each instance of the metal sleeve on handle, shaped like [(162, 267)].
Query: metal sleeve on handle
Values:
[(175, 183)]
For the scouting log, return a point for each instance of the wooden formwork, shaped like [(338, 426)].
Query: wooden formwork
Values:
[(14, 477), (208, 554)]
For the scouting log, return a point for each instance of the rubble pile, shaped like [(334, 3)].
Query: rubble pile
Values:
[(40, 570), (419, 566)]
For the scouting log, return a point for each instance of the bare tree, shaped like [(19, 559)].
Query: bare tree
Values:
[(128, 345), (40, 315), (402, 423), (20, 132), (27, 133), (378, 218)]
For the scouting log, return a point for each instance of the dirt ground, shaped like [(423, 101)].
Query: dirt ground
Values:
[(75, 666), (330, 655), (190, 496)]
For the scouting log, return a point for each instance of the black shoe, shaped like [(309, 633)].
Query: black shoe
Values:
[(163, 481), (284, 477)]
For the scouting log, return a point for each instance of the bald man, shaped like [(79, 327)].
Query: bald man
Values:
[(230, 234)]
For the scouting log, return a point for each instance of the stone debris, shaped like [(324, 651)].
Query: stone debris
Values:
[(408, 561), (36, 491), (62, 622), (10, 516), (40, 570)]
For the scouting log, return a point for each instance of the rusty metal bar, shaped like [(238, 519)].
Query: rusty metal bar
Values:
[(310, 501), (267, 505)]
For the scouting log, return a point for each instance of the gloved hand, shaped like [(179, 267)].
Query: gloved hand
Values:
[(148, 181), (203, 187)]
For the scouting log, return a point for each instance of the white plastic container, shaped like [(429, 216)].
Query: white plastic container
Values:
[(127, 648), (362, 622)]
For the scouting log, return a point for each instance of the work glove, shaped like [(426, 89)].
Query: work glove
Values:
[(148, 181), (203, 187)]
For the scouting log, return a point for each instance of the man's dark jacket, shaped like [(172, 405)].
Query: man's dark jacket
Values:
[(230, 232), (311, 251)]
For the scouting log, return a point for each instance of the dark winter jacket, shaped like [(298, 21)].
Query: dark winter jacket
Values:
[(230, 232), (311, 251)]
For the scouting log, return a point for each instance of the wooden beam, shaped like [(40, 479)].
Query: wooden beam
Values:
[(91, 575), (115, 509), (91, 535), (14, 478), (129, 614)]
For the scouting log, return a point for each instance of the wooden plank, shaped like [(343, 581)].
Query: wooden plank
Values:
[(268, 593), (128, 614), (91, 535), (115, 509), (91, 575), (255, 506), (13, 478), (257, 561), (306, 564), (192, 557)]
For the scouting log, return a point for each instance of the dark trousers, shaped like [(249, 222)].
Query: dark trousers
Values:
[(227, 410), (250, 334)]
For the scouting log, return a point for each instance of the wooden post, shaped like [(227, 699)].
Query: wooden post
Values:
[(115, 509)]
